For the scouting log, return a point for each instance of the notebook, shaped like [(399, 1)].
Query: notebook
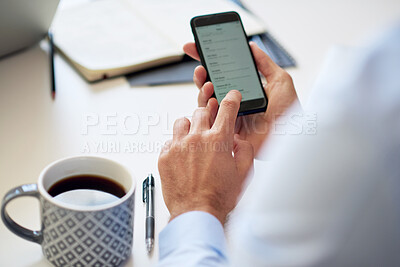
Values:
[(182, 72), (107, 38)]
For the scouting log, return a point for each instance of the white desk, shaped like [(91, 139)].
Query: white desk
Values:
[(36, 130)]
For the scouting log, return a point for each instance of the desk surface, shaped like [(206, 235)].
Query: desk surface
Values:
[(133, 123)]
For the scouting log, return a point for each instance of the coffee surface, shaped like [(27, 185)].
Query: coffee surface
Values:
[(89, 188)]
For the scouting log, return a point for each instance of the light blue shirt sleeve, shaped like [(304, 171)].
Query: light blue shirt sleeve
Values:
[(194, 238)]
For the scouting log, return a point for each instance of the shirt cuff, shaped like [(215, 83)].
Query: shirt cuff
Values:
[(193, 229)]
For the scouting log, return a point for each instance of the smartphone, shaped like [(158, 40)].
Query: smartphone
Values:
[(225, 53)]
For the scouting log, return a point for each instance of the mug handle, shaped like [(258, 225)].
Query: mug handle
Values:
[(23, 190)]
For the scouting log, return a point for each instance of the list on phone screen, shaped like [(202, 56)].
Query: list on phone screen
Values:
[(228, 60)]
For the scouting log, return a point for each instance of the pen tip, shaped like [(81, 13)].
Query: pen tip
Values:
[(53, 95), (149, 246)]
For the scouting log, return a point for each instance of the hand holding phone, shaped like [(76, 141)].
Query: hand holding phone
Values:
[(279, 89), (225, 53)]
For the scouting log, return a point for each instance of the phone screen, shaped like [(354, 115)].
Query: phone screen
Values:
[(228, 60)]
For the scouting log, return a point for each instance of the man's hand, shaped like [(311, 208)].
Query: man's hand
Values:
[(205, 164), (279, 89)]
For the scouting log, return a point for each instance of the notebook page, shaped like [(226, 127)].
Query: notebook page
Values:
[(172, 17), (106, 34)]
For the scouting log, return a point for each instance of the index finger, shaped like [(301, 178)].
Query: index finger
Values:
[(227, 113)]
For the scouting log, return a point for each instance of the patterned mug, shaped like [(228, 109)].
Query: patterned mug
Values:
[(75, 234)]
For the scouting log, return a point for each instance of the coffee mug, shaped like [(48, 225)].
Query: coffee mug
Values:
[(85, 225)]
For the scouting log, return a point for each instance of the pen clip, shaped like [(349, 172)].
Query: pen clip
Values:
[(145, 186)]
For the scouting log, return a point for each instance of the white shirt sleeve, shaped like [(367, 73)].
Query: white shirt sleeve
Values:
[(330, 197), (193, 239)]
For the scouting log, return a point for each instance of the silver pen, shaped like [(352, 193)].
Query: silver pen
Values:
[(148, 198)]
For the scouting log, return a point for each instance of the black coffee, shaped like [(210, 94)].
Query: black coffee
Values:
[(87, 182)]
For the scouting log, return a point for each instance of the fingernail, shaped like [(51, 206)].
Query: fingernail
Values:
[(209, 83)]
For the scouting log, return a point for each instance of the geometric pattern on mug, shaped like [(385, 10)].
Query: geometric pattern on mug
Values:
[(78, 239)]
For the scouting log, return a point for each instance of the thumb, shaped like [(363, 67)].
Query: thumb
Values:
[(265, 64), (243, 154)]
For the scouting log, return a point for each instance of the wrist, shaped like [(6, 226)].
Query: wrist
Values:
[(221, 216)]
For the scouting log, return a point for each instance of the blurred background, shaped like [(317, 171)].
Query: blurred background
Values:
[(127, 115)]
